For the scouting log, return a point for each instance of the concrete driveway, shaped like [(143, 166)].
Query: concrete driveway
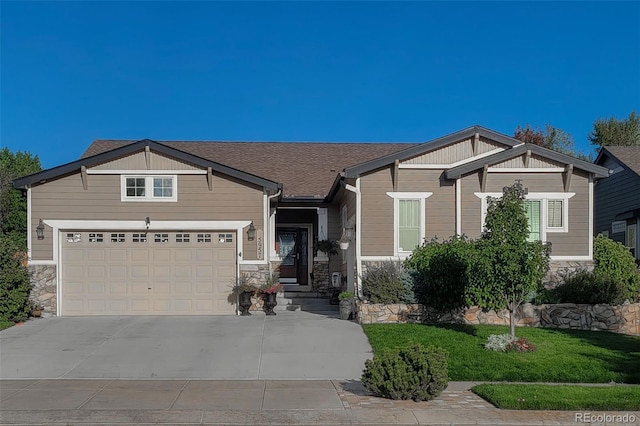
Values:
[(291, 345)]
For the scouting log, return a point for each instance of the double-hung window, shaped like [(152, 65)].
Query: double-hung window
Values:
[(149, 188), (409, 219)]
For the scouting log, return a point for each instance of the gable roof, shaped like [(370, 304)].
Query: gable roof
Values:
[(305, 170), (429, 146), (130, 148), (456, 172), (628, 156)]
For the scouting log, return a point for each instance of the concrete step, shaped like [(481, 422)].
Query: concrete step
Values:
[(305, 301)]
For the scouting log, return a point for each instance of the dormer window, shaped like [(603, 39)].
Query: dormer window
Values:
[(149, 188)]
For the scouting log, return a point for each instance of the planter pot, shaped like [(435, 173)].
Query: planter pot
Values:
[(245, 302), (270, 302), (346, 309), (344, 245)]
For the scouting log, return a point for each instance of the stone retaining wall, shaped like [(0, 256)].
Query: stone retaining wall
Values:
[(619, 319)]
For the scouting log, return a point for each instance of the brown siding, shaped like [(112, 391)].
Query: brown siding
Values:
[(440, 207), (534, 162), (573, 243), (65, 199), (377, 213)]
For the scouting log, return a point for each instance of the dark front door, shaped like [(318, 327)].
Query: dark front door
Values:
[(293, 244)]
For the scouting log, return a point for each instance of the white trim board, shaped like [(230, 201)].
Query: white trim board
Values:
[(172, 225), (526, 170), (146, 172)]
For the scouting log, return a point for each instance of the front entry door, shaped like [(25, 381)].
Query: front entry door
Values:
[(293, 250)]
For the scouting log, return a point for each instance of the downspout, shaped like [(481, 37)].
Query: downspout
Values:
[(356, 190), (268, 228)]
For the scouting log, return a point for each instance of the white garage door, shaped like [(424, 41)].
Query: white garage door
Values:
[(154, 273)]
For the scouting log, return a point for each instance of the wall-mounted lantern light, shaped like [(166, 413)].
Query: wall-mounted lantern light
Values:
[(147, 222), (40, 230), (251, 232)]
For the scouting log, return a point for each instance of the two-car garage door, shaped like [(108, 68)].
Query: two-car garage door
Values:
[(152, 273)]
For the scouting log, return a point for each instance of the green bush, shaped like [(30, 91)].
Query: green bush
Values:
[(443, 270), (14, 282), (590, 288), (613, 260), (389, 282), (415, 373)]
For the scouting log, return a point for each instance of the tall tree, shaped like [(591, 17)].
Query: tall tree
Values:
[(509, 267), (611, 131), (13, 203), (551, 138)]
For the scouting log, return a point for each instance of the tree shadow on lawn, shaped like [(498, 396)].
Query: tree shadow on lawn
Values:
[(626, 360), (471, 330)]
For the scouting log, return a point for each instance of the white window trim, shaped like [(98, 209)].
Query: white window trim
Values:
[(397, 196), (544, 197), (148, 184)]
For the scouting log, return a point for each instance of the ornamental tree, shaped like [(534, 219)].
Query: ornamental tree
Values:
[(508, 268)]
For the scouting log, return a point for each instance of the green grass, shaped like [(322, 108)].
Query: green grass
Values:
[(5, 324), (569, 356), (551, 397)]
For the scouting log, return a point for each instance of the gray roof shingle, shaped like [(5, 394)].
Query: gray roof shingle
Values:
[(629, 155)]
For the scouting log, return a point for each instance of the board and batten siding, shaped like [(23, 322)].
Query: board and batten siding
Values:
[(618, 193), (455, 152), (138, 161), (65, 199), (572, 243)]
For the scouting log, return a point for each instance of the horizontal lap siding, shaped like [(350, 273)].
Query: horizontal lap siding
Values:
[(440, 207), (65, 199), (471, 205), (377, 214)]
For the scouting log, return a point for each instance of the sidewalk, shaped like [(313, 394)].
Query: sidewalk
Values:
[(201, 402)]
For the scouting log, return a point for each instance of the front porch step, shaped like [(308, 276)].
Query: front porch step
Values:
[(305, 301)]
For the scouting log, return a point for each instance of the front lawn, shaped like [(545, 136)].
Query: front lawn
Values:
[(570, 356), (570, 398), (5, 324)]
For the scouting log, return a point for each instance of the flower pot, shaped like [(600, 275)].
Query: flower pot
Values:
[(245, 302), (270, 302), (344, 245), (346, 309)]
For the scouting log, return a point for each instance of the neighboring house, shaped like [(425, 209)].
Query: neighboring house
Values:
[(144, 227), (617, 199)]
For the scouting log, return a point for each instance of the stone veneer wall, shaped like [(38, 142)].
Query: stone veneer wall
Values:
[(619, 319), (321, 280), (558, 269), (43, 287)]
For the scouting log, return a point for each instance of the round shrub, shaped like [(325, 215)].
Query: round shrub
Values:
[(416, 373), (388, 282)]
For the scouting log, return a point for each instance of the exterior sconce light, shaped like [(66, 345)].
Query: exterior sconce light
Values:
[(147, 222), (40, 230), (251, 232)]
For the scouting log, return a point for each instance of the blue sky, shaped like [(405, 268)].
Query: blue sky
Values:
[(72, 72)]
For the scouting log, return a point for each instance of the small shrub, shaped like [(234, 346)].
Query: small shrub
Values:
[(345, 295), (615, 261), (388, 283), (520, 345), (498, 342), (415, 373), (589, 288)]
